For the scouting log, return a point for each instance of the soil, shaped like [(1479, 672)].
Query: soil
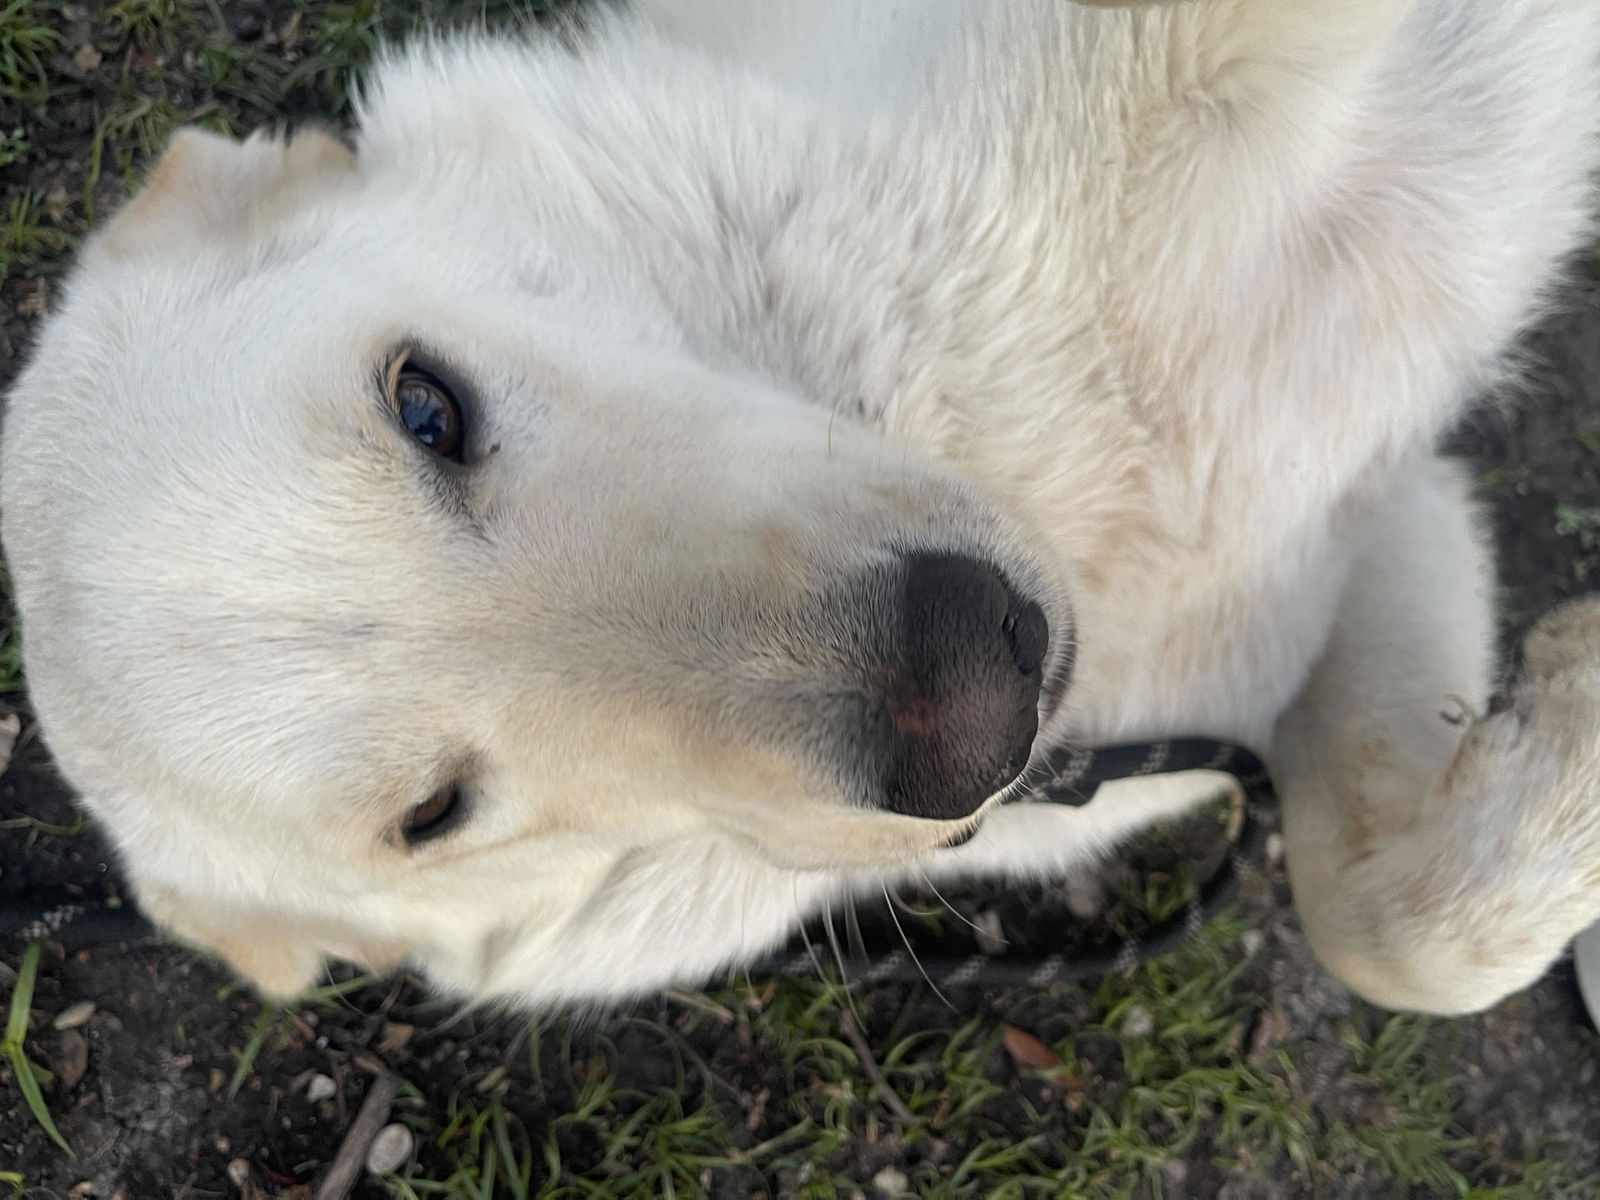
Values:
[(152, 1116)]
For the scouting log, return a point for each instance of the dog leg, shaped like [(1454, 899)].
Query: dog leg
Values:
[(1441, 858), (1044, 841)]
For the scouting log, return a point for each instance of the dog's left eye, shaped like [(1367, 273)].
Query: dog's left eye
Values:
[(438, 814), (429, 411)]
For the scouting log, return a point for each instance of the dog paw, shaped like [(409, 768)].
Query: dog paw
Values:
[(1502, 868), (1565, 642), (1529, 771), (1525, 783), (1546, 728)]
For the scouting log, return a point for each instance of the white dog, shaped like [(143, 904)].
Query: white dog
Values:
[(662, 478)]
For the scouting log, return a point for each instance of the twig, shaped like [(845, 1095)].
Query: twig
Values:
[(852, 1032), (352, 1154)]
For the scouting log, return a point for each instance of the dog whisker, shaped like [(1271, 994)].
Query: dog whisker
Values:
[(857, 942), (811, 947), (911, 950), (838, 955), (952, 908)]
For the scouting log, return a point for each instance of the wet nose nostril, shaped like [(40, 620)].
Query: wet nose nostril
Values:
[(1027, 637), (962, 711)]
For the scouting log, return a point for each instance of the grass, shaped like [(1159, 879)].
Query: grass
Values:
[(1582, 523), (567, 1115), (29, 1079), (10, 644), (148, 66), (753, 1087), (273, 1020), (1108, 1120)]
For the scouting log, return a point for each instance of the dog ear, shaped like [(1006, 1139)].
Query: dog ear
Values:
[(208, 189), (281, 955), (271, 953), (280, 965)]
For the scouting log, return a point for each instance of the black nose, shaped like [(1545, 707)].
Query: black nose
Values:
[(962, 706)]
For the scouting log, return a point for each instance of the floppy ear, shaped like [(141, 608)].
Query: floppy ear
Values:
[(280, 954), (209, 189), (279, 964)]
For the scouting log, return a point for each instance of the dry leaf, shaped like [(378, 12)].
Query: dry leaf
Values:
[(56, 202), (394, 1036), (35, 300), (1270, 1029), (1027, 1050)]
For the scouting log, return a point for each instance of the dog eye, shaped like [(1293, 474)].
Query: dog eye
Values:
[(428, 410), (438, 814)]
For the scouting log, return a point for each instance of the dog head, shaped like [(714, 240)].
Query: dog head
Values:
[(372, 583)]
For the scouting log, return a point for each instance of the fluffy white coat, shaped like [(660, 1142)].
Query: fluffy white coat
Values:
[(1162, 306)]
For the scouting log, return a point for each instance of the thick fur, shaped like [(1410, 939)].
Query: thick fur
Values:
[(1160, 307)]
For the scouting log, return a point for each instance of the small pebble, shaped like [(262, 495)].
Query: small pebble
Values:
[(1085, 898), (1138, 1022), (1274, 848), (1252, 941), (492, 1080), (73, 1059), (390, 1150), (238, 1172), (891, 1181), (991, 936), (320, 1088), (10, 730), (74, 1015)]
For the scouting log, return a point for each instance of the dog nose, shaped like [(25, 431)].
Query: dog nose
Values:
[(962, 709)]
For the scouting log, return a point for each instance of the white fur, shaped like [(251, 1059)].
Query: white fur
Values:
[(1161, 306)]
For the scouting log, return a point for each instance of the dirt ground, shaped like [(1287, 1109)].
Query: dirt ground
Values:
[(1238, 1069)]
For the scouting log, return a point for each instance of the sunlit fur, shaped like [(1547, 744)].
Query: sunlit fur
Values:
[(1159, 307)]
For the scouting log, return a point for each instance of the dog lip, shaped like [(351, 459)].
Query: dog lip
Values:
[(962, 838)]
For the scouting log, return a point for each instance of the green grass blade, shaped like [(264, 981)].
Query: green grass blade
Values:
[(28, 1085), (16, 1039), (252, 1048)]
